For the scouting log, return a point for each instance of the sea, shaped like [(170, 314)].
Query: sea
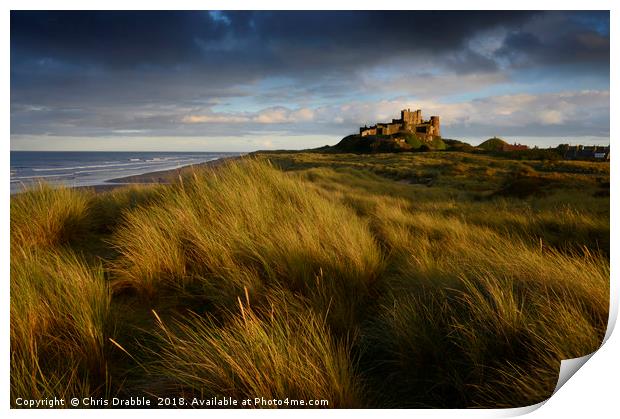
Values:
[(90, 168)]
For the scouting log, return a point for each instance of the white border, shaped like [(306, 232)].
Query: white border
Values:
[(592, 393)]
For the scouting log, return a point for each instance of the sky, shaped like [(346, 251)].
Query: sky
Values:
[(242, 81)]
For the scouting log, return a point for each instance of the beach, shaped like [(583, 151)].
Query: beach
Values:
[(158, 176), (103, 171), (164, 176)]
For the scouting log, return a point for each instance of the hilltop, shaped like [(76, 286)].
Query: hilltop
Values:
[(409, 132), (386, 144), (493, 144)]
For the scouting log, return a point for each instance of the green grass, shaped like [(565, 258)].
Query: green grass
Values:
[(59, 319), (393, 280)]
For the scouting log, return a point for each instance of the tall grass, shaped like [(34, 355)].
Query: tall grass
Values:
[(354, 279), (475, 318), (284, 352), (59, 303), (107, 208), (249, 226), (46, 216), (59, 312)]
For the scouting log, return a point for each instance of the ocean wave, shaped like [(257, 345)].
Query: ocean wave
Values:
[(68, 176), (118, 170), (168, 158), (162, 166), (94, 166)]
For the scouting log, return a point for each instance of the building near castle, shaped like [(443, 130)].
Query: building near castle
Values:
[(409, 122), (584, 152)]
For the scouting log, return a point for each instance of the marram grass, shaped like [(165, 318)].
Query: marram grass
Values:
[(59, 318), (410, 280), (249, 226), (284, 351)]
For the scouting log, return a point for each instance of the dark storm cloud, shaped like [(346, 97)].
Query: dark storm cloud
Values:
[(236, 46), (244, 44), (112, 38), (100, 72), (580, 40), (100, 58)]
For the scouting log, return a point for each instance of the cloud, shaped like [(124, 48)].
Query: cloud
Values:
[(575, 112), (562, 38), (571, 112), (429, 85), (551, 117), (218, 74), (213, 118), (275, 115)]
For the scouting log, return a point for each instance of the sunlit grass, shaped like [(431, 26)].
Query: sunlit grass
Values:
[(281, 352), (409, 280), (59, 313), (47, 216), (250, 226)]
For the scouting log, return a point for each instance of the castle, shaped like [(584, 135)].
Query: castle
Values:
[(409, 122)]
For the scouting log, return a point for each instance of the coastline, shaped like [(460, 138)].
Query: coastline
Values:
[(169, 175), (160, 172), (159, 176)]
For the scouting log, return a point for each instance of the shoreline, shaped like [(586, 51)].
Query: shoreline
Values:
[(164, 177), (168, 175)]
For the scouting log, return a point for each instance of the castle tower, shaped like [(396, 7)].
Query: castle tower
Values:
[(435, 125), (417, 117), (410, 119)]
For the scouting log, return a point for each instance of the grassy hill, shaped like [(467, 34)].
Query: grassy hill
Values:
[(368, 280), (456, 145), (493, 144), (386, 144)]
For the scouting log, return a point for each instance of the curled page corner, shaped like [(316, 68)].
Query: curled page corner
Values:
[(568, 368), (519, 411)]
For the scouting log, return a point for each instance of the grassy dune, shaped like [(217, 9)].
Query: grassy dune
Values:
[(409, 280)]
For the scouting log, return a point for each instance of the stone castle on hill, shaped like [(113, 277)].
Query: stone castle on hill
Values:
[(409, 122)]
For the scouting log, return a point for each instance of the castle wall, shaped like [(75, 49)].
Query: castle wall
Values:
[(409, 121), (391, 129), (364, 131)]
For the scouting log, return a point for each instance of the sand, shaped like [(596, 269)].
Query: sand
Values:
[(161, 176)]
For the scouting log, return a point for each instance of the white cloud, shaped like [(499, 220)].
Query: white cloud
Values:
[(271, 115), (501, 111), (583, 112), (277, 115), (214, 118), (303, 115), (553, 117)]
